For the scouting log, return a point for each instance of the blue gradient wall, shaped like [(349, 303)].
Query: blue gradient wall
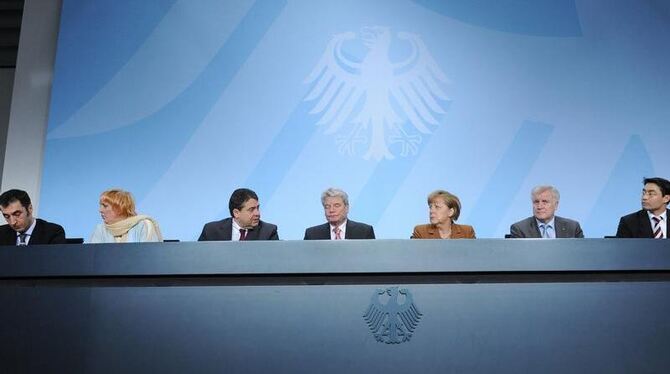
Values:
[(181, 102)]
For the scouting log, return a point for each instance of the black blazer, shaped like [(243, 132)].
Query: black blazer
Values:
[(43, 233), (355, 230), (223, 230), (637, 225)]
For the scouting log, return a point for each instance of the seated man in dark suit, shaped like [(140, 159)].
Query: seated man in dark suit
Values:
[(22, 228), (652, 220), (336, 207), (245, 221), (544, 223)]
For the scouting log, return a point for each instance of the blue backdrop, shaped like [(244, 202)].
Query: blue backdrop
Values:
[(181, 102)]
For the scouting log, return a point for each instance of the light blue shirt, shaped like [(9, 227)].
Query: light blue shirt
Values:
[(547, 230), (143, 231)]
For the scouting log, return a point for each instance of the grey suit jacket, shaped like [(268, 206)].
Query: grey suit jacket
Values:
[(223, 230), (565, 228), (355, 230)]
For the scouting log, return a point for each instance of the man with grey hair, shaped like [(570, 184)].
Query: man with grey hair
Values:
[(544, 223), (336, 208)]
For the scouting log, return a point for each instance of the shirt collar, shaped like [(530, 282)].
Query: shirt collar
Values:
[(342, 227), (550, 223), (662, 216), (29, 232)]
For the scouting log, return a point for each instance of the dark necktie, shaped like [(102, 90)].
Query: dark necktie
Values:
[(243, 234), (22, 238)]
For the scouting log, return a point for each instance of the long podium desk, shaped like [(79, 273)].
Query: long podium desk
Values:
[(383, 306)]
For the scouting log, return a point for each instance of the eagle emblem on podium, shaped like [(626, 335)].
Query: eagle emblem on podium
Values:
[(392, 315)]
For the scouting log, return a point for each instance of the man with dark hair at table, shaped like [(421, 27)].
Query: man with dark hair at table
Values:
[(336, 208), (22, 228), (652, 220), (545, 223), (244, 222)]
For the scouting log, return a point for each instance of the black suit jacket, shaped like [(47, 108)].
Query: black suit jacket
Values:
[(355, 230), (637, 225), (43, 233), (565, 228), (223, 230)]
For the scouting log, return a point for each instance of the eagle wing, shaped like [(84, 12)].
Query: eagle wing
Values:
[(336, 88), (375, 315), (409, 315), (417, 86)]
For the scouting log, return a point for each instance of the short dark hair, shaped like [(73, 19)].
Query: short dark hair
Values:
[(239, 197), (11, 196), (663, 184)]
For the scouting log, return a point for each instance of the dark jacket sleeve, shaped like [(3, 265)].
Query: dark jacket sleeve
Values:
[(307, 235), (274, 235), (515, 231), (203, 234), (623, 230), (371, 233), (58, 235)]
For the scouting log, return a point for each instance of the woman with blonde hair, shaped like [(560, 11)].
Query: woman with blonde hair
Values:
[(443, 209), (121, 224)]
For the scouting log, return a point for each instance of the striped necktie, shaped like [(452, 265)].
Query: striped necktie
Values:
[(658, 231), (338, 233)]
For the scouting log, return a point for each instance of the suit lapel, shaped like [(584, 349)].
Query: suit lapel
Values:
[(324, 231), (254, 233), (645, 224), (559, 228), (36, 236), (350, 230), (433, 232), (534, 228), (227, 229)]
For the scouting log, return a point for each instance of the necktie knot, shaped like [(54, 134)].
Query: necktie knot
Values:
[(22, 238), (338, 233), (243, 234)]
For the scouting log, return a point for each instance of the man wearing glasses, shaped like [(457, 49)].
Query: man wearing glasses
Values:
[(652, 220)]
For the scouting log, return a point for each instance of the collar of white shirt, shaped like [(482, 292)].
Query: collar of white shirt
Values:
[(662, 216), (236, 231), (550, 223), (343, 230), (29, 232)]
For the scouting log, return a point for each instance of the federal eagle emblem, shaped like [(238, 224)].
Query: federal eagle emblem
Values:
[(392, 322), (372, 101)]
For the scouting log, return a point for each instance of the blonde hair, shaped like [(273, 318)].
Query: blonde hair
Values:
[(121, 202), (449, 199)]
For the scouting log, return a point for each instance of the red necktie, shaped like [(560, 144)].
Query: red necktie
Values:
[(243, 234)]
